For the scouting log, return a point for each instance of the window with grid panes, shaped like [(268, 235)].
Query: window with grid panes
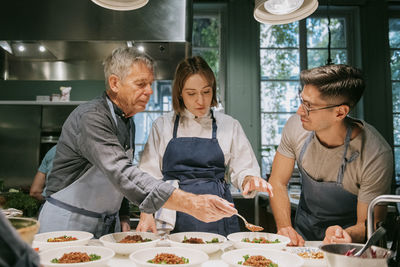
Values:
[(394, 42), (205, 42), (284, 51)]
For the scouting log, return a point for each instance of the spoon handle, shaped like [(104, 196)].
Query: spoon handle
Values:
[(371, 241)]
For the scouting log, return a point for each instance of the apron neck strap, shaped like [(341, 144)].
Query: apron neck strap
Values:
[(131, 123), (110, 105)]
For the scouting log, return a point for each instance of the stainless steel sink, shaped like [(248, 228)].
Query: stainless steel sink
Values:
[(371, 206)]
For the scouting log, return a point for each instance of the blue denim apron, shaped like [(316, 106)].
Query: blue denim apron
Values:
[(198, 164), (323, 204), (90, 204)]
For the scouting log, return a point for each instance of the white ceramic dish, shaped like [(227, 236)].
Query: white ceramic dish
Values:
[(177, 238), (111, 241), (307, 261), (105, 253), (140, 257), (40, 240), (237, 238), (282, 258)]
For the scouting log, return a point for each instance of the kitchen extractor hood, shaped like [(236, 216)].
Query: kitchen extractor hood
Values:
[(69, 39)]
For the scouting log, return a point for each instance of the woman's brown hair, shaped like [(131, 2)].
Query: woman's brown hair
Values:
[(185, 69)]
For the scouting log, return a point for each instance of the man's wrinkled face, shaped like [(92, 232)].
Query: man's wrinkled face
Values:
[(134, 91)]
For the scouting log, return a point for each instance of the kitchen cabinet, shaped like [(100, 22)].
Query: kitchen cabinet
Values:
[(24, 130)]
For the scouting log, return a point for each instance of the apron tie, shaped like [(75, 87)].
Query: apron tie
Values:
[(109, 222), (108, 219)]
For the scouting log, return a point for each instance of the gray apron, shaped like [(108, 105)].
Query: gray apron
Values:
[(323, 204), (91, 203)]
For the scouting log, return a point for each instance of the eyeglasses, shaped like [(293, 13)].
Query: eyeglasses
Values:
[(307, 110)]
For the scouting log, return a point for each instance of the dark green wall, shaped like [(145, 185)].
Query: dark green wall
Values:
[(28, 90)]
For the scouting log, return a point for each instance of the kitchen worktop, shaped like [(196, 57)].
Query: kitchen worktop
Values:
[(213, 261)]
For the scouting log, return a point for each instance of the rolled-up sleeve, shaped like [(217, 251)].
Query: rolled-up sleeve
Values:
[(100, 146)]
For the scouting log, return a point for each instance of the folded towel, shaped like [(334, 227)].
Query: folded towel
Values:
[(165, 218)]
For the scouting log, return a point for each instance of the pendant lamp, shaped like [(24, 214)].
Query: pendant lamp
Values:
[(121, 5), (283, 11)]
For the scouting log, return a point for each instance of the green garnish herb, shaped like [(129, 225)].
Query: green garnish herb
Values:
[(214, 240), (94, 257)]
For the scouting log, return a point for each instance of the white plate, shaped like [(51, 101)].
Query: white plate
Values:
[(307, 261), (140, 257), (105, 253), (236, 238), (40, 240), (111, 241), (176, 241), (283, 259)]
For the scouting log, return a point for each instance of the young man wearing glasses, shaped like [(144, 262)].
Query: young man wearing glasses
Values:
[(344, 162)]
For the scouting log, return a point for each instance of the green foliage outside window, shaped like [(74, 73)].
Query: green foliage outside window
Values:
[(206, 41), (280, 70), (394, 41)]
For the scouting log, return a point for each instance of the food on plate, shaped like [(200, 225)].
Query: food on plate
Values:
[(261, 240), (257, 261), (76, 257), (167, 258), (134, 239), (63, 238), (254, 228), (194, 240), (311, 255)]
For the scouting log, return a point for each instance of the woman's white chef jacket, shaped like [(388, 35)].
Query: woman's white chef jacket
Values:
[(240, 160)]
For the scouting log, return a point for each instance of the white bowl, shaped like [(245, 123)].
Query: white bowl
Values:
[(307, 261), (176, 241), (236, 238), (111, 241), (196, 257), (40, 240), (283, 259), (105, 253)]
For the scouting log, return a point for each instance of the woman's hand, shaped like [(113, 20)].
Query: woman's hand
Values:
[(254, 183), (146, 223), (125, 227)]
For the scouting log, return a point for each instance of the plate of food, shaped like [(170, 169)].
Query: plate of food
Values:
[(76, 256), (58, 239), (168, 256), (207, 242), (312, 256), (128, 242), (258, 240), (261, 257)]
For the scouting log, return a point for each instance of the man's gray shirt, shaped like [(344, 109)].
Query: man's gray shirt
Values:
[(91, 137)]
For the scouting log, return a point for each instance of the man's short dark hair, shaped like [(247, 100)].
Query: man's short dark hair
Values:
[(336, 82)]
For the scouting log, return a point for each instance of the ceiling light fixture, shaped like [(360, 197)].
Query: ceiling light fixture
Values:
[(283, 11), (21, 48), (121, 5), (6, 46), (42, 48), (141, 48)]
